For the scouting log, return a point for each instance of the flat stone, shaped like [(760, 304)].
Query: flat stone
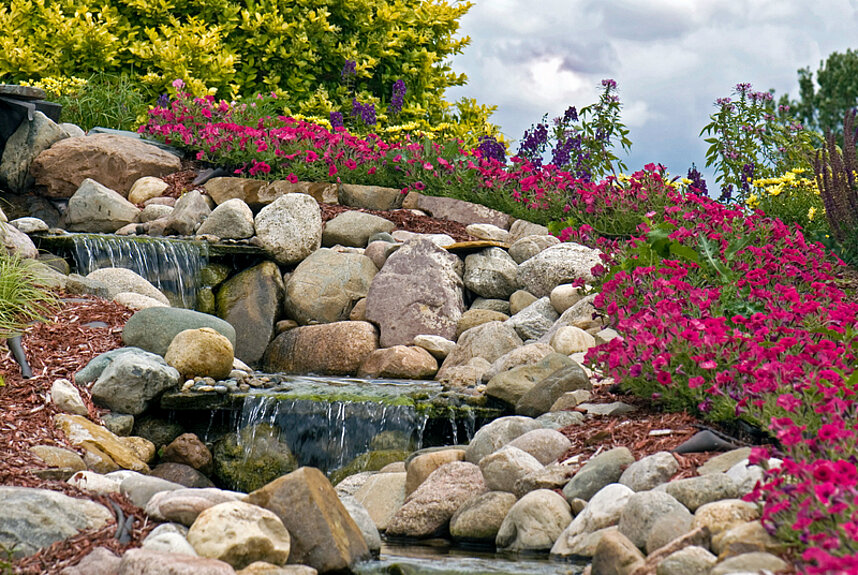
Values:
[(83, 433), (723, 462)]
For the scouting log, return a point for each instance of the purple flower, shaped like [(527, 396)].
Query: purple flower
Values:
[(571, 114), (697, 182), (492, 149), (747, 176), (336, 120), (349, 70), (163, 101), (533, 143), (366, 112), (397, 99), (609, 83)]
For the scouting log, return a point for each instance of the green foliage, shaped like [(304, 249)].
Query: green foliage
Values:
[(21, 300), (750, 138), (295, 48), (793, 199), (102, 100), (822, 104)]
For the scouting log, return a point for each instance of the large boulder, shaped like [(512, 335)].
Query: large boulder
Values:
[(510, 386), (253, 456), (153, 329), (382, 495), (290, 228), (200, 352), (239, 533), (325, 287), (506, 466), (115, 161), (460, 211), (338, 348), (16, 242), (96, 208), (428, 510), (603, 510), (419, 291), (250, 301), (369, 197), (31, 519), (354, 228), (491, 273), (479, 519), (559, 264), (489, 438), (132, 381), (123, 280), (30, 139), (399, 362), (230, 220), (324, 536), (188, 213), (539, 398)]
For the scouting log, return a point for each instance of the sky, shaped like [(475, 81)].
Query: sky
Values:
[(671, 60)]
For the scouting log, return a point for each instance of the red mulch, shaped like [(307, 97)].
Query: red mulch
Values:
[(57, 350)]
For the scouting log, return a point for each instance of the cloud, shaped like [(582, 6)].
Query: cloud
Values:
[(671, 58)]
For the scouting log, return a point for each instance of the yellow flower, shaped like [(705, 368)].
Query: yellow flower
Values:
[(811, 213), (753, 201)]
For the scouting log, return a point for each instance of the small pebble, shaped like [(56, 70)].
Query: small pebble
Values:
[(221, 389), (206, 388)]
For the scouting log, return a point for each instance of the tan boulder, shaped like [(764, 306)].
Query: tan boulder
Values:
[(239, 533), (83, 433), (338, 348), (399, 362), (200, 352), (422, 466), (146, 188)]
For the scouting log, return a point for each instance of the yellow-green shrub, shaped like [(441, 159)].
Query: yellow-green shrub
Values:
[(295, 48), (791, 197)]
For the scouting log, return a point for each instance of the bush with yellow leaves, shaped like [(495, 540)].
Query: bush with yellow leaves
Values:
[(793, 198)]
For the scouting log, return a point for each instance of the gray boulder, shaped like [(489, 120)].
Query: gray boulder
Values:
[(131, 381), (491, 273), (535, 522), (650, 471), (250, 302), (419, 291), (496, 434), (479, 519), (525, 248), (232, 219), (31, 519), (645, 509), (290, 228), (604, 469), (354, 228), (510, 386), (188, 213), (96, 208), (535, 320), (560, 264), (153, 329), (539, 399), (506, 466), (325, 287), (488, 341), (30, 139)]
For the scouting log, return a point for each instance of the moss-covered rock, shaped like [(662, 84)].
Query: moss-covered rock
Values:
[(252, 457)]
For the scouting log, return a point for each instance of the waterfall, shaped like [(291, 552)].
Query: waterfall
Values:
[(329, 434), (172, 266)]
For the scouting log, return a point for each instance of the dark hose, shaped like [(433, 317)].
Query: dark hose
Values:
[(14, 344)]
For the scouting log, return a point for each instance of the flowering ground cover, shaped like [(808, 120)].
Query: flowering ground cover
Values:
[(722, 311)]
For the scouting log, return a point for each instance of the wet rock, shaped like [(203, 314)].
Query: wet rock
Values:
[(188, 449), (559, 264), (491, 273), (338, 348), (489, 438), (325, 286), (354, 228), (115, 161), (232, 219), (252, 457), (419, 291), (324, 536), (428, 510), (184, 505), (372, 460), (479, 519), (290, 228), (153, 329), (239, 533), (650, 471), (96, 208), (250, 301), (535, 522), (35, 518), (598, 472), (159, 431), (399, 362)]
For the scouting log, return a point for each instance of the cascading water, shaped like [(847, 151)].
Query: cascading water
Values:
[(329, 434), (172, 266)]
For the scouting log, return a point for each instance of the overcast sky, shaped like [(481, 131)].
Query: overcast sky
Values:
[(670, 58)]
